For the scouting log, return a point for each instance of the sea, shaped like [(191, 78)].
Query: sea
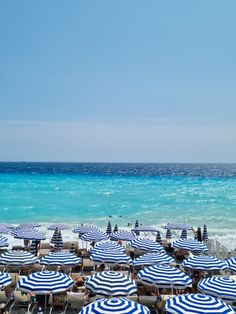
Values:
[(94, 193)]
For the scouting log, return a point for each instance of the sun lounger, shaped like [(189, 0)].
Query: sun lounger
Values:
[(74, 301), (87, 264), (147, 300), (21, 301)]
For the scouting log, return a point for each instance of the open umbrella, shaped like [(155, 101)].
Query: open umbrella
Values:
[(5, 280), (178, 226), (60, 258), (146, 245), (190, 245), (111, 257), (152, 259), (94, 236), (3, 241), (205, 262), (85, 229), (231, 262), (58, 227), (122, 235), (107, 246), (17, 258)]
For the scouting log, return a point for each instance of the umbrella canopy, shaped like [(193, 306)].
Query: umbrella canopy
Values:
[(3, 241), (115, 229), (168, 234), (224, 288), (205, 262), (29, 224), (114, 305), (29, 235), (190, 245), (109, 230), (197, 304), (164, 276), (205, 233), (5, 229), (45, 282), (111, 257), (107, 246), (152, 259), (85, 229), (231, 262), (60, 258), (183, 234), (17, 258), (158, 237), (5, 280), (94, 236), (146, 245), (144, 229), (58, 227), (122, 235), (111, 283), (178, 226)]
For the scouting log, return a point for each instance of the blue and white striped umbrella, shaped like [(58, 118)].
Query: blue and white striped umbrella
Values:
[(29, 235), (224, 288), (144, 229), (178, 226), (190, 245), (107, 246), (111, 257), (111, 283), (205, 262), (183, 234), (5, 230), (115, 229), (58, 227), (60, 258), (168, 234), (158, 237), (205, 233), (58, 244), (3, 241), (197, 304), (146, 245), (85, 229), (164, 276), (109, 229), (94, 236), (54, 237), (122, 235), (152, 259), (116, 306), (17, 258), (231, 262), (29, 224), (5, 280), (45, 282)]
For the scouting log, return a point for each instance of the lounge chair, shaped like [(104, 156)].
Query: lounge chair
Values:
[(147, 300), (58, 303), (21, 302), (74, 301), (87, 264)]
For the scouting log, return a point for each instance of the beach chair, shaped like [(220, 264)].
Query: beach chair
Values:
[(21, 302), (147, 300), (87, 264), (74, 301), (57, 302), (132, 298)]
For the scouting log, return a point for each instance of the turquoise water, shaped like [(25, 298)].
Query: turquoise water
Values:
[(153, 200)]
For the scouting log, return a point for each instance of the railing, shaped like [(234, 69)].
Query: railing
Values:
[(217, 249)]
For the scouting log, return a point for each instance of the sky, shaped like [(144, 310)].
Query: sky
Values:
[(121, 80)]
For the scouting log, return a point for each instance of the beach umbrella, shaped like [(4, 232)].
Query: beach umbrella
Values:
[(109, 231), (72, 248), (29, 235), (5, 280), (183, 234), (205, 262), (111, 283), (196, 304), (107, 246), (94, 236), (144, 229), (45, 282), (224, 288), (122, 235), (231, 262), (5, 230), (205, 233), (116, 306), (178, 226), (59, 242), (158, 237), (29, 224), (164, 276), (152, 259), (3, 241), (168, 234), (60, 258), (54, 237), (136, 225), (190, 245), (33, 248), (111, 257), (146, 245), (58, 227), (17, 258), (85, 229), (115, 229)]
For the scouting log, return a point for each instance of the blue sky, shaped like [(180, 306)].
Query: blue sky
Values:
[(118, 80)]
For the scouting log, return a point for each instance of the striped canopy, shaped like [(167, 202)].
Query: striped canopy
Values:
[(85, 229), (196, 304), (45, 282), (5, 229), (144, 229), (29, 235), (205, 233), (206, 263), (17, 258), (190, 245), (158, 237), (3, 241), (54, 237), (111, 283), (178, 226), (60, 258), (5, 280), (164, 276), (111, 257), (122, 235), (114, 305), (109, 229), (152, 259), (231, 262), (146, 245), (168, 234), (94, 236), (29, 224), (183, 234), (58, 227), (107, 246), (224, 288)]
